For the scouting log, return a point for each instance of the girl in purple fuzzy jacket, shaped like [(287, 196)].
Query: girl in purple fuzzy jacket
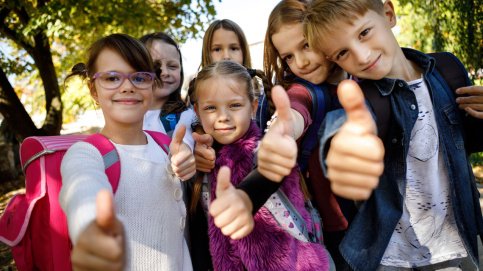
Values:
[(224, 103)]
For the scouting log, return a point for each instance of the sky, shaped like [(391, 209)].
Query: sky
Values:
[(250, 15)]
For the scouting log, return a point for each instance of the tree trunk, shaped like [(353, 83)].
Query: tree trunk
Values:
[(13, 111)]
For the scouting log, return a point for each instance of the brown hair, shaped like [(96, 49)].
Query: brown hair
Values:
[(130, 49), (323, 17), (230, 26), (175, 103), (222, 69), (287, 12)]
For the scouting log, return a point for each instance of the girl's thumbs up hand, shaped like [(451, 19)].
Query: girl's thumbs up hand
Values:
[(182, 159), (101, 246), (355, 159), (277, 154), (232, 208)]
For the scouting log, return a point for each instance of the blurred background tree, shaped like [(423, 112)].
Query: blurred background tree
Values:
[(40, 41), (453, 26), (436, 25)]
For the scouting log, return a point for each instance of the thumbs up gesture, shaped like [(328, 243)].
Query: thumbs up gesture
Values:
[(205, 155), (232, 208), (101, 246), (277, 154), (182, 159), (355, 157)]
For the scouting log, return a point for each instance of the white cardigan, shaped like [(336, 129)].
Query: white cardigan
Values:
[(148, 201)]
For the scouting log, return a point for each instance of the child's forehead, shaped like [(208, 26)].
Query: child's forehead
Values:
[(224, 85), (159, 49)]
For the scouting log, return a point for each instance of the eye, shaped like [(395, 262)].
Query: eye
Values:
[(112, 78), (306, 46), (288, 58), (364, 33), (235, 105), (341, 54), (173, 66), (209, 107), (141, 77), (234, 48), (216, 49)]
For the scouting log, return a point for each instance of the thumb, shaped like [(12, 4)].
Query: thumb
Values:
[(203, 139), (177, 139), (223, 181), (352, 100), (284, 113), (106, 218)]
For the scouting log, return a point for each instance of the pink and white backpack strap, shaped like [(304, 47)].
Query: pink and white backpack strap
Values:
[(162, 139), (112, 164), (109, 154)]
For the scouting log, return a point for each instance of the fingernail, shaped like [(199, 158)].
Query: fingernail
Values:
[(458, 91)]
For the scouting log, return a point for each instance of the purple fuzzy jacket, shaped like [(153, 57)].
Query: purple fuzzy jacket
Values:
[(268, 246)]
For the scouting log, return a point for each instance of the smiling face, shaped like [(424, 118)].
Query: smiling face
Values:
[(224, 109), (126, 104), (166, 55), (225, 45), (302, 61), (367, 48)]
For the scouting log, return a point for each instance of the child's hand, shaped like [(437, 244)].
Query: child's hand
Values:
[(277, 154), (473, 104), (204, 154), (101, 245), (182, 159), (232, 208), (355, 158)]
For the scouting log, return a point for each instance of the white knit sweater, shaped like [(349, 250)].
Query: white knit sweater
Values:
[(148, 201)]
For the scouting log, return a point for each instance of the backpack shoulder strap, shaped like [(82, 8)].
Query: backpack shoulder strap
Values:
[(451, 70), (380, 105), (321, 104), (162, 140), (169, 122), (112, 164), (291, 220)]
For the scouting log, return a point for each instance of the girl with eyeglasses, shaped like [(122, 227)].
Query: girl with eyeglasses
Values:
[(141, 226)]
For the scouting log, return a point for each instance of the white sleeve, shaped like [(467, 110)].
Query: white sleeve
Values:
[(83, 176), (186, 119)]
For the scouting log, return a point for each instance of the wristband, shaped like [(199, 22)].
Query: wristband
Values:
[(258, 188)]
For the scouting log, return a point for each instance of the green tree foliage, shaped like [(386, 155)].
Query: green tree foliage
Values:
[(40, 41), (453, 26), (436, 25)]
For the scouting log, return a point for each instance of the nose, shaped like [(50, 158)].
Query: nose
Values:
[(362, 55), (164, 70), (226, 55), (127, 86), (223, 115), (301, 61)]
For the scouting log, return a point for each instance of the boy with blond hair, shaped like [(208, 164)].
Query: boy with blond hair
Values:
[(422, 208)]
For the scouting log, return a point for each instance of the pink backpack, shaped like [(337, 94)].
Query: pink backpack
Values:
[(33, 224)]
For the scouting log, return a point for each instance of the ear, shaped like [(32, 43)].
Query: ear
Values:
[(93, 91), (254, 107), (389, 13), (195, 107)]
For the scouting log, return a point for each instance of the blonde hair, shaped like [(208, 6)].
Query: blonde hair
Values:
[(324, 16), (222, 69), (287, 12), (230, 26)]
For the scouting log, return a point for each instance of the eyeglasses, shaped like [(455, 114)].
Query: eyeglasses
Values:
[(113, 80)]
